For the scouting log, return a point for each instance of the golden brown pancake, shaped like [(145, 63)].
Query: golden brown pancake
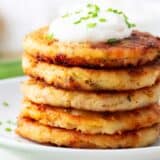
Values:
[(138, 49), (75, 78), (34, 131), (92, 122), (39, 92)]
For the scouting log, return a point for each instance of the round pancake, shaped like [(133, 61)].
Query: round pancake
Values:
[(74, 78), (138, 49), (39, 92), (34, 131), (92, 122)]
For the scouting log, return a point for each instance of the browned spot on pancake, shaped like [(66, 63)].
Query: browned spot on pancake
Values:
[(61, 59)]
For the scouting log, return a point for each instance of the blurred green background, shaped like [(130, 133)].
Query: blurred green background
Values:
[(10, 68)]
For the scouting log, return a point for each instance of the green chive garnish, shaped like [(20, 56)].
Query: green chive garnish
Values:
[(77, 22), (5, 104), (94, 14), (91, 25), (97, 8), (93, 6), (89, 5), (129, 24), (8, 129), (112, 41), (102, 20), (49, 37), (85, 18)]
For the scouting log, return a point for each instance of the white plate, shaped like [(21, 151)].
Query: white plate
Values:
[(10, 93)]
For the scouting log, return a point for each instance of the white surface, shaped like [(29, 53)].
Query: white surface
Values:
[(19, 149)]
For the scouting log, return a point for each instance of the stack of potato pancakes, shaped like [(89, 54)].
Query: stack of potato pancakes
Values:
[(88, 95)]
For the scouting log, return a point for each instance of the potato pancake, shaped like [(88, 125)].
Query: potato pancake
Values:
[(75, 78), (34, 131), (92, 122), (40, 93), (138, 49)]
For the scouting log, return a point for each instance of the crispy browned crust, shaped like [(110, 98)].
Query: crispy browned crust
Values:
[(32, 130), (75, 78), (138, 49), (92, 122), (40, 93)]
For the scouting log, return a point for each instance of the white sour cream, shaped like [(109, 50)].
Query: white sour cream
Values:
[(113, 26)]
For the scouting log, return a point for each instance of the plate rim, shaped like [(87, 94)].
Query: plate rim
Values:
[(38, 147)]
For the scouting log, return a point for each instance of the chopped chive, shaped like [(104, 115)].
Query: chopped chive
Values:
[(97, 8), (89, 5), (112, 41), (130, 25), (114, 11), (78, 21), (8, 129), (5, 104), (49, 37), (102, 20), (94, 6), (94, 14), (94, 9), (90, 12), (91, 25), (85, 18)]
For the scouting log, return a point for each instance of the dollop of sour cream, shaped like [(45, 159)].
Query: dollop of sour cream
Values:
[(91, 24)]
